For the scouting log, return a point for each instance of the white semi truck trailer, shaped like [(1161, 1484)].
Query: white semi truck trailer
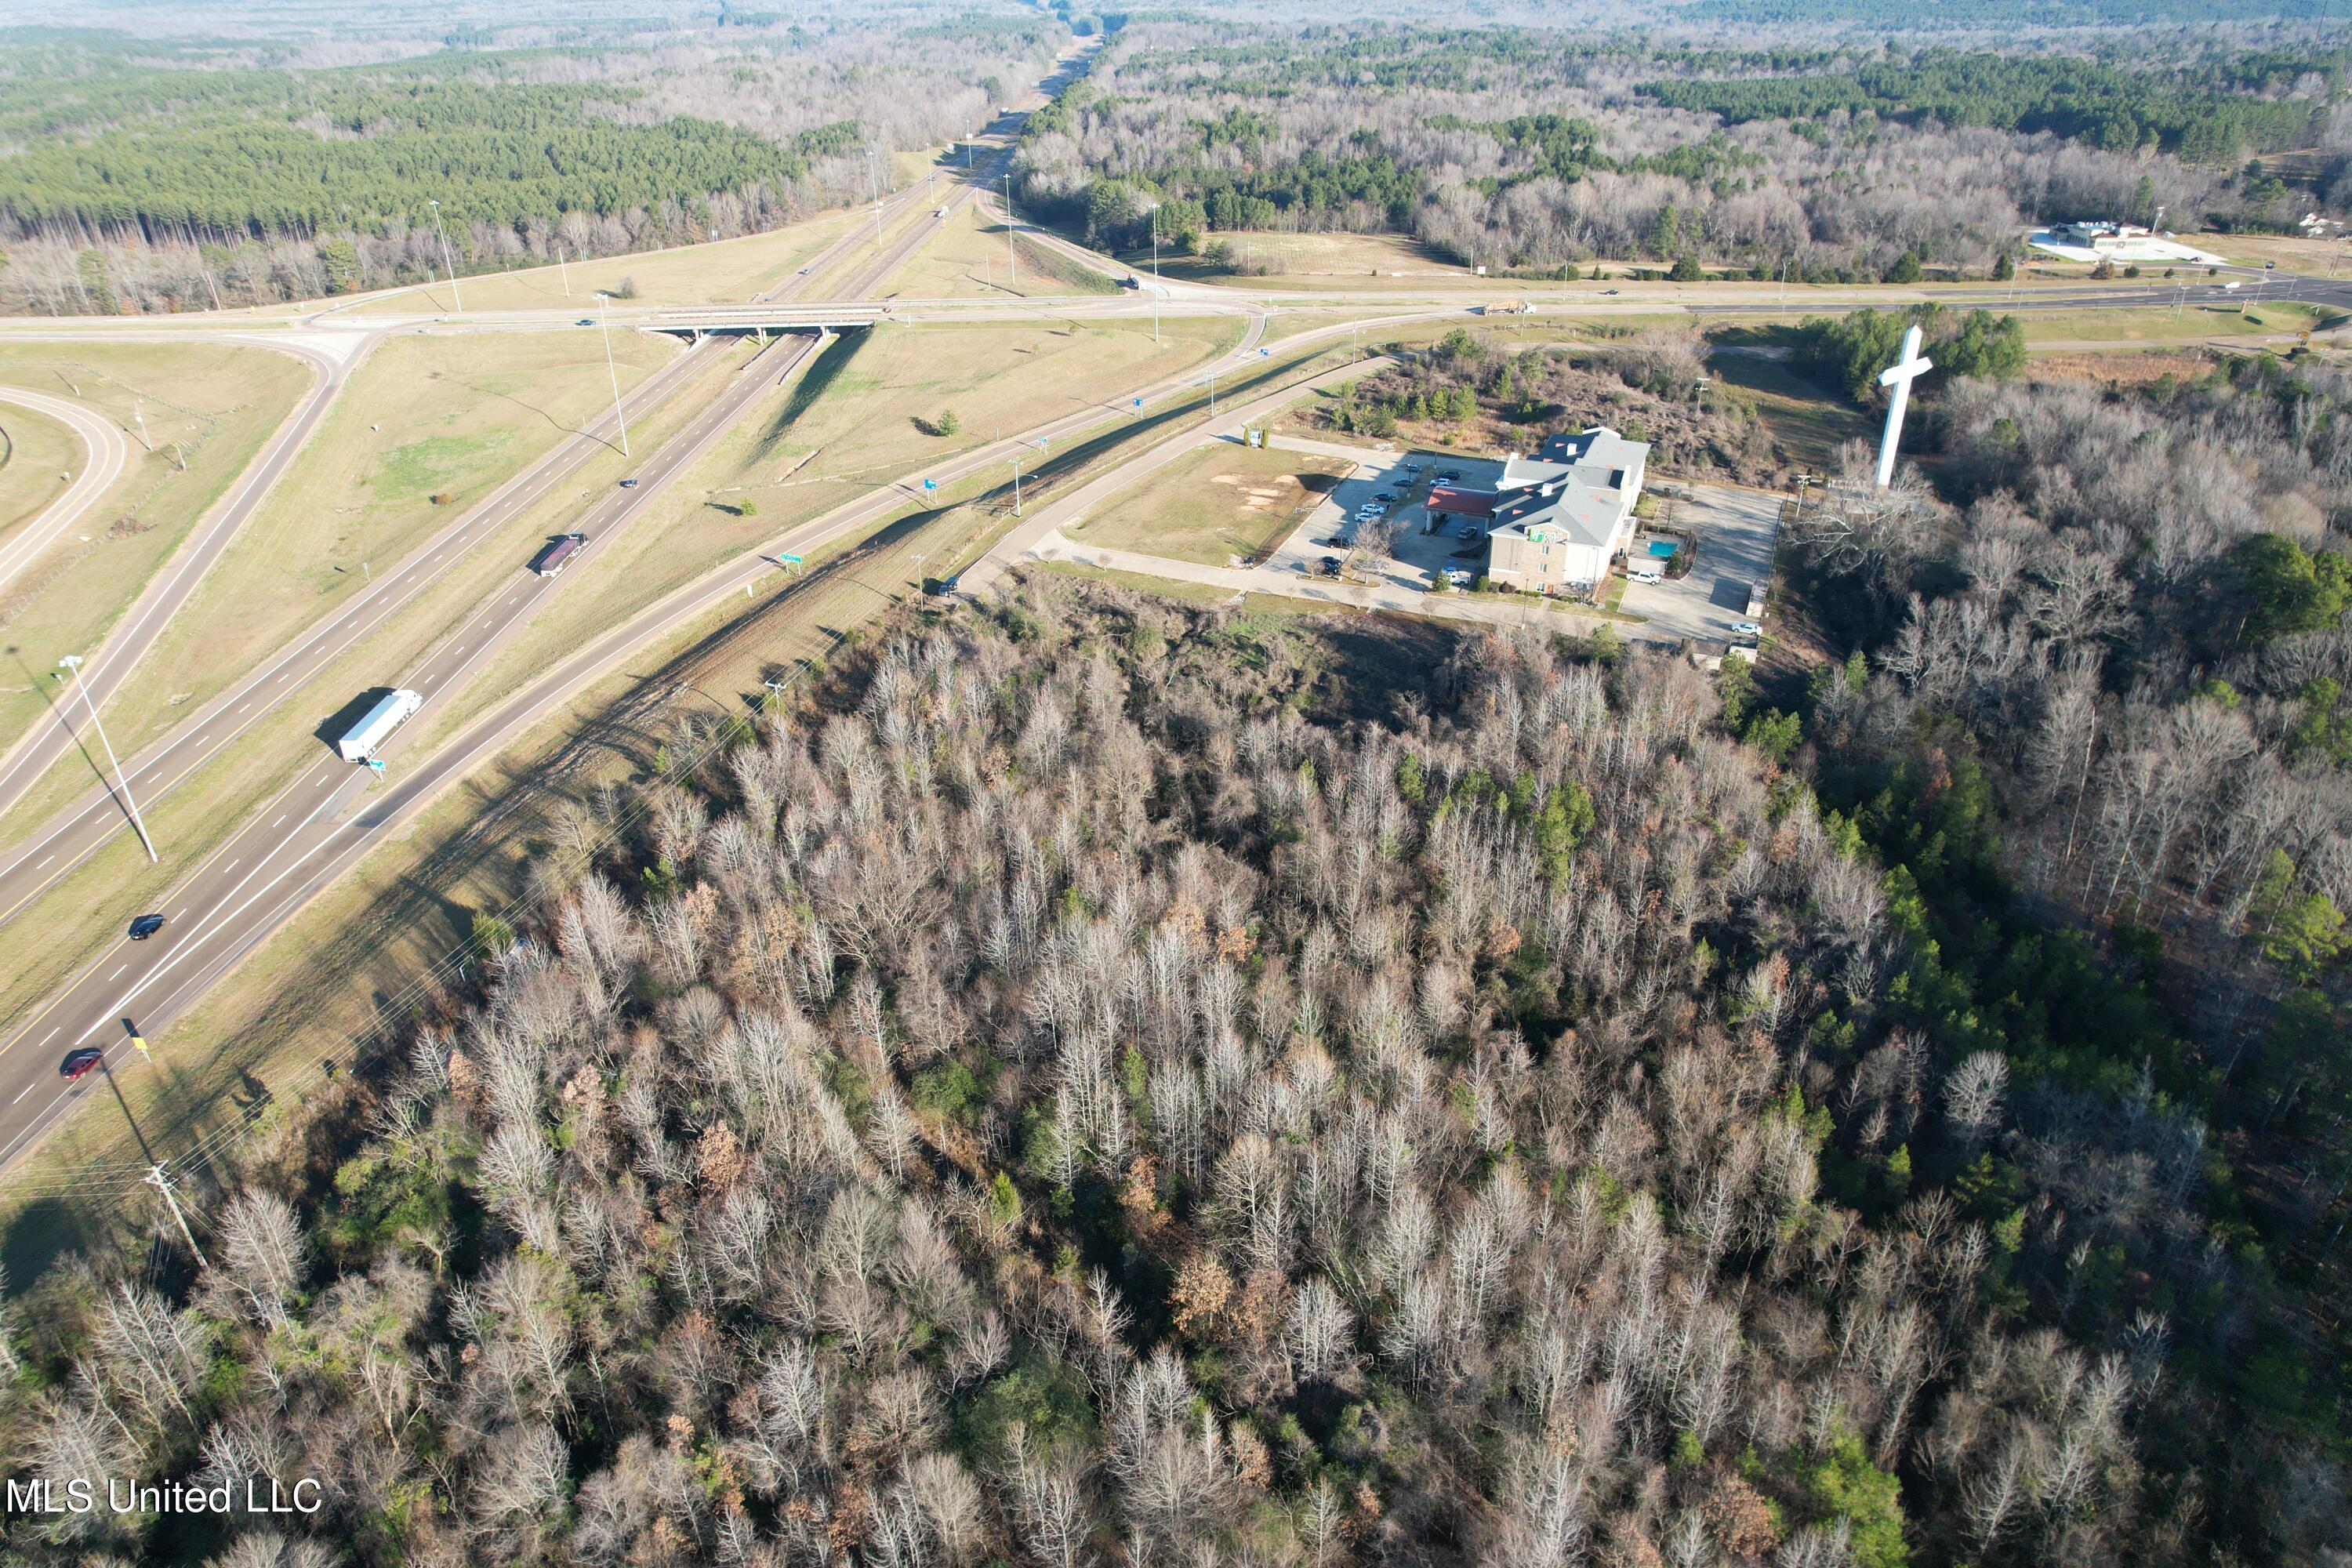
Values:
[(362, 740)]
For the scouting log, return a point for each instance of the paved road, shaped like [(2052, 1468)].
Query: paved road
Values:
[(32, 866), (332, 812), (104, 451), (112, 663)]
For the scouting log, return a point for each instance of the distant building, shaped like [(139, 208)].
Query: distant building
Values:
[(2097, 234), (1561, 517)]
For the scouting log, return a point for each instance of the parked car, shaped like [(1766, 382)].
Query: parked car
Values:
[(1747, 629), (1643, 577), (1331, 565), (145, 926), (78, 1061), (1457, 576), (1412, 468), (1450, 476), (1386, 498)]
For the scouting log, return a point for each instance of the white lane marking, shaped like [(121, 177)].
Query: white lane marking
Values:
[(232, 864), (217, 919), (280, 819), (51, 1035), (118, 974), (45, 861), (182, 915), (22, 1094)]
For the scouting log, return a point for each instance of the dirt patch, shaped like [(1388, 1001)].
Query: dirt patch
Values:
[(2121, 370)]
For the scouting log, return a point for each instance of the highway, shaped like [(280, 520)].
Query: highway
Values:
[(104, 451), (111, 662), (29, 868), (331, 812)]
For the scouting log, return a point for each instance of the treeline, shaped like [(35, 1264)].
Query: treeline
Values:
[(1536, 151), (1058, 1098), (1848, 351), (368, 159), (142, 187), (2111, 653), (2210, 115)]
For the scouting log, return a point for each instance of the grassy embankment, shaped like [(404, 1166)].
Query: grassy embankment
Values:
[(207, 405)]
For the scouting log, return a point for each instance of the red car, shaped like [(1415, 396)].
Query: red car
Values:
[(79, 1061)]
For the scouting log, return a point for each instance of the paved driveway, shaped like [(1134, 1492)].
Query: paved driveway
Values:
[(1736, 530)]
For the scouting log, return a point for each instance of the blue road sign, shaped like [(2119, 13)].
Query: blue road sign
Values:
[(930, 484), (788, 560), (1138, 403)]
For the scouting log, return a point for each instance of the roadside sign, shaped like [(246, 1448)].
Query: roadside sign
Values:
[(788, 560), (1138, 403), (930, 484)]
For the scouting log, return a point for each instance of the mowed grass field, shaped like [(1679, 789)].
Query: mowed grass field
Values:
[(1260, 259), (1212, 505), (36, 454), (969, 259), (719, 271), (452, 416), (208, 406)]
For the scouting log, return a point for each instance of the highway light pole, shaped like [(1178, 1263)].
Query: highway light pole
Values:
[(876, 181), (71, 664), (565, 268), (604, 309), (1012, 260), (455, 292)]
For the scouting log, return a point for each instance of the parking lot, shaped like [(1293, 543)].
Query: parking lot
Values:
[(1420, 557), (1736, 530)]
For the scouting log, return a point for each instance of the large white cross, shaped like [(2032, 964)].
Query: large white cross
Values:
[(1899, 376)]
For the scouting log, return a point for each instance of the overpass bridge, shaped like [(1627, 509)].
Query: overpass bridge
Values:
[(763, 320)]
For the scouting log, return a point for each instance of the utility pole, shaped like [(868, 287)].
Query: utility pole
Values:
[(604, 309), (1013, 259), (71, 663), (161, 1180), (1016, 484), (564, 267), (876, 181), (1802, 481), (455, 292)]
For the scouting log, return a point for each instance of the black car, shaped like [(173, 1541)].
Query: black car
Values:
[(145, 926), (78, 1061), (1330, 566)]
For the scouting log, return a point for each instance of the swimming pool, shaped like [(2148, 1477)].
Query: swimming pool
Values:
[(1661, 549)]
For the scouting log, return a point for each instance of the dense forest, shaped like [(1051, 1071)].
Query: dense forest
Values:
[(1104, 1081), (1539, 150), (144, 186)]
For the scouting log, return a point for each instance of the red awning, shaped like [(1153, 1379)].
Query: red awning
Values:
[(1458, 502)]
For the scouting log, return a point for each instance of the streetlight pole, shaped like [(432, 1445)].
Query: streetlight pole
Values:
[(1012, 259), (565, 268), (455, 292), (603, 325), (71, 663), (876, 181)]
